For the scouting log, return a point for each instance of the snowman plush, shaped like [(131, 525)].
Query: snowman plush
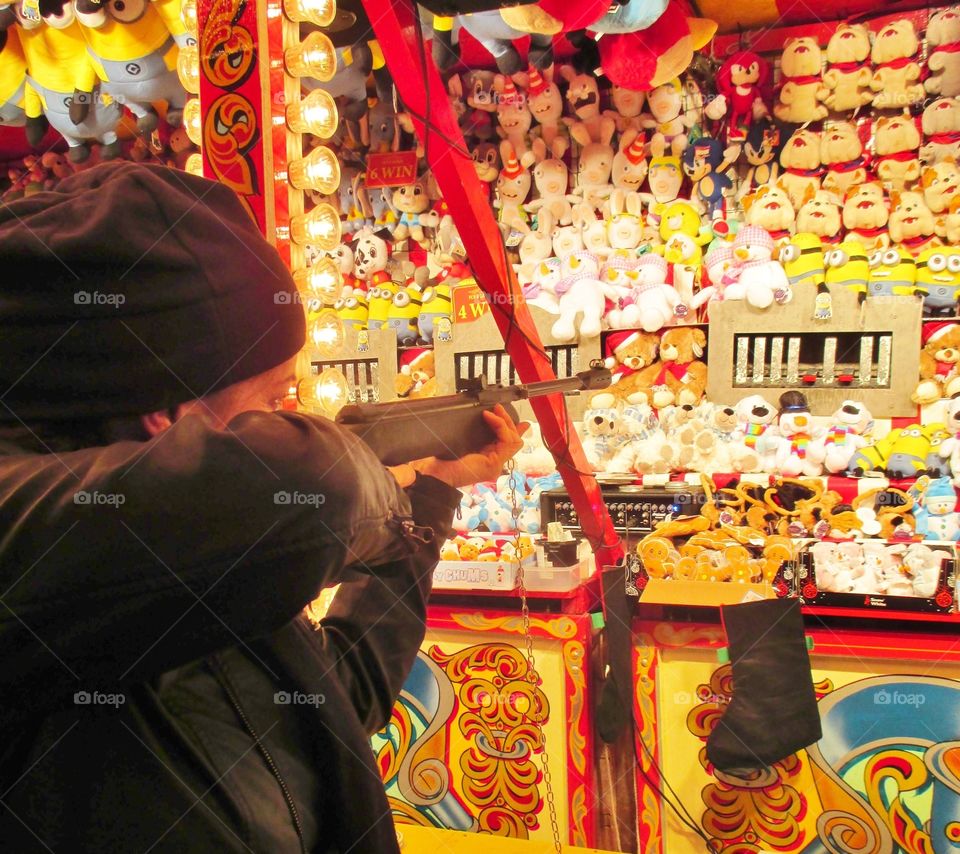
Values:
[(760, 280), (797, 451)]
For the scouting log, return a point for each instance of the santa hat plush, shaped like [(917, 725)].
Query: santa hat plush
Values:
[(617, 342), (647, 58), (755, 236), (934, 331), (409, 359)]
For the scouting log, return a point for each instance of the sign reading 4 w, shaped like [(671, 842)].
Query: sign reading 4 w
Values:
[(469, 304)]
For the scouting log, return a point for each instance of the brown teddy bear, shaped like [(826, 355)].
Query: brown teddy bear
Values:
[(631, 358), (939, 362), (679, 375), (417, 377)]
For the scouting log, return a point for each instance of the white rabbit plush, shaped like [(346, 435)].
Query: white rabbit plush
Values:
[(536, 246), (630, 162), (596, 164), (582, 295), (625, 224), (551, 178), (513, 187), (568, 239)]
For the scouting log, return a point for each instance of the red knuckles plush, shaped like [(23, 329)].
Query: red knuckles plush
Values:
[(742, 80)]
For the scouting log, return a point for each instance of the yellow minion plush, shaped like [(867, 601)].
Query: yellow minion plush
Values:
[(353, 311), (802, 260), (938, 279), (435, 313), (61, 84), (893, 272), (13, 75), (380, 297), (135, 56), (847, 266), (403, 313)]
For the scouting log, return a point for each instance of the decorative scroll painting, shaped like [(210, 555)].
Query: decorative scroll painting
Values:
[(463, 750), (885, 778), (231, 100)]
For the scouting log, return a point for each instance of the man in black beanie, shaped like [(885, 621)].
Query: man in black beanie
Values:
[(162, 530)]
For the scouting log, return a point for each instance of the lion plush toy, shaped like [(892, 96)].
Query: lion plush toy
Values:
[(800, 65), (895, 70), (943, 58)]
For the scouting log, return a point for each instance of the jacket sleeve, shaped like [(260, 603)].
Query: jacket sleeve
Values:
[(376, 623), (119, 563)]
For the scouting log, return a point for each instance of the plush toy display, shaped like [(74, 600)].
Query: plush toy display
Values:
[(897, 141), (841, 153), (801, 83), (941, 130), (896, 73), (847, 78), (761, 151), (865, 216), (943, 53), (911, 224), (705, 163), (802, 169), (820, 215)]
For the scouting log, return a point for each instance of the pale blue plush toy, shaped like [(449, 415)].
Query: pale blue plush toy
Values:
[(630, 17), (936, 517), (498, 515)]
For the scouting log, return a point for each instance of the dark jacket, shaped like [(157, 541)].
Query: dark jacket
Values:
[(160, 689)]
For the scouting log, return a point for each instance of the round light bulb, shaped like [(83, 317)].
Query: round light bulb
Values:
[(192, 121), (322, 280), (326, 333), (327, 392), (320, 228), (316, 114), (188, 68), (318, 171), (194, 164), (314, 57), (318, 12), (188, 14)]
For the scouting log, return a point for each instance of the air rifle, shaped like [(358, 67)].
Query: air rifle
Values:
[(453, 425)]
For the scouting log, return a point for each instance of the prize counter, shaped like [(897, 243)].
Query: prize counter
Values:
[(755, 227)]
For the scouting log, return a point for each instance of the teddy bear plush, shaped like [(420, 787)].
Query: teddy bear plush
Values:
[(941, 130), (897, 143), (865, 216), (847, 79), (801, 82), (802, 169), (601, 436), (630, 360), (845, 436), (896, 73), (417, 375), (943, 58), (939, 360), (911, 225), (755, 421), (841, 152), (680, 369)]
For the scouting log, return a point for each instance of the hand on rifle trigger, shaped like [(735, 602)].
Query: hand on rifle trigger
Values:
[(484, 465)]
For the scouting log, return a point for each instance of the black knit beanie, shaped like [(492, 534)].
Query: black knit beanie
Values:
[(131, 288)]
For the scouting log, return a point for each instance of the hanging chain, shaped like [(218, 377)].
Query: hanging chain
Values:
[(532, 676)]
